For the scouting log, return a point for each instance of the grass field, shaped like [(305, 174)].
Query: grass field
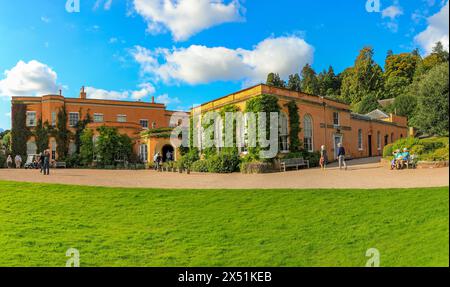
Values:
[(139, 227)]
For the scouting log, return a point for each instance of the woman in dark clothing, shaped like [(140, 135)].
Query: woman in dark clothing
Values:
[(47, 163)]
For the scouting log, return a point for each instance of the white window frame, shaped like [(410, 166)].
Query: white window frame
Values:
[(284, 133), (122, 117), (99, 115), (54, 118), (378, 140), (360, 139), (338, 119), (144, 120), (28, 119), (305, 135), (70, 119), (143, 152)]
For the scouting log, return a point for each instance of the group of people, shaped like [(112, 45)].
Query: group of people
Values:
[(158, 159), (340, 154), (400, 159), (42, 161)]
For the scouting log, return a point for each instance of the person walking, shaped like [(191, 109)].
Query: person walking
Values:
[(341, 156), (18, 161), (156, 161), (323, 157), (41, 161), (9, 161), (47, 163)]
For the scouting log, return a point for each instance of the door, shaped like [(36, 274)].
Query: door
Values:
[(369, 141), (337, 141)]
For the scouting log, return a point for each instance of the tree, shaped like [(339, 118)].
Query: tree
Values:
[(404, 105), (79, 128), (437, 56), (274, 80), (367, 104), (399, 72), (111, 146), (62, 134), (19, 132), (310, 84), (87, 148), (6, 141), (294, 83), (432, 92), (364, 77), (294, 124), (41, 135), (329, 83)]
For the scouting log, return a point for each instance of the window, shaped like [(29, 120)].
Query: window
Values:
[(360, 139), (144, 124), (378, 140), (392, 137), (31, 119), (72, 148), (53, 119), (73, 119), (153, 125), (143, 152), (335, 118), (98, 118), (284, 132), (31, 148), (122, 118), (53, 144), (386, 140), (308, 133)]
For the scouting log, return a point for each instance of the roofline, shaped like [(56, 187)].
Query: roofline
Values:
[(265, 85)]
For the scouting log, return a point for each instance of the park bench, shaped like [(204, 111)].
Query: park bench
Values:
[(293, 162), (60, 164)]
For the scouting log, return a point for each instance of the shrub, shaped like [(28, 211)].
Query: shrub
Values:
[(437, 155), (73, 161), (188, 159), (2, 160), (388, 150), (313, 157), (224, 162), (418, 149), (200, 166), (256, 167)]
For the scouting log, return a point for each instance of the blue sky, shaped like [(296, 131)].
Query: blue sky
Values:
[(191, 51)]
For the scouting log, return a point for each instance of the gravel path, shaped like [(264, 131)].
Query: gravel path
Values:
[(366, 173)]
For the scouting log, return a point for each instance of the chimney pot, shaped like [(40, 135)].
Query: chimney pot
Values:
[(82, 93), (153, 99)]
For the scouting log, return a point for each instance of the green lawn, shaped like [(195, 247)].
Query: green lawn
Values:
[(144, 227)]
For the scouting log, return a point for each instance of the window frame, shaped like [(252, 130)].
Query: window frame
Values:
[(144, 120), (308, 139), (123, 116), (27, 119), (99, 115), (378, 140), (338, 119), (360, 140), (70, 119)]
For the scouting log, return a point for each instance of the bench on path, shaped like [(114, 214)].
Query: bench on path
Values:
[(60, 164), (293, 162)]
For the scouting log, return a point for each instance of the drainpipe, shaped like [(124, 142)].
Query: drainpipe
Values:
[(324, 117)]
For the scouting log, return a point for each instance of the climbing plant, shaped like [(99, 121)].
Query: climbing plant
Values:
[(19, 132), (294, 123), (79, 128), (41, 134), (62, 134)]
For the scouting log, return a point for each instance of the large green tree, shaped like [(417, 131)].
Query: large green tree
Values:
[(62, 134), (329, 83), (432, 93), (274, 80), (19, 133), (310, 83), (294, 83), (399, 72)]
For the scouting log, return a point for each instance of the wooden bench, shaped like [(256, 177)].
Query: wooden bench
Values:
[(293, 162), (60, 164)]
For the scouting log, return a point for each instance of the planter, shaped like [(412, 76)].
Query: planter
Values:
[(188, 171)]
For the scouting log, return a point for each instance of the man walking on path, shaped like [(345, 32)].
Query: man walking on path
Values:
[(341, 156), (9, 161), (41, 161), (47, 163), (18, 161)]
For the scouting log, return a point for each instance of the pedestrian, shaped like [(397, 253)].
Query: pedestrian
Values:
[(47, 163), (341, 156), (323, 157), (169, 156), (41, 161), (156, 161), (9, 161), (18, 161)]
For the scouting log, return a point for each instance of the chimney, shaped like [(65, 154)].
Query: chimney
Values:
[(82, 93), (153, 99), (60, 92)]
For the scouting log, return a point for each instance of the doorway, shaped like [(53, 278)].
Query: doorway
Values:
[(369, 141), (337, 141), (165, 150)]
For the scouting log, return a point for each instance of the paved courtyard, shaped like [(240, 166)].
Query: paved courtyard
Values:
[(366, 173)]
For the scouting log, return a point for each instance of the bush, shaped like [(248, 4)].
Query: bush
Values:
[(437, 155), (429, 149), (224, 162), (188, 159), (256, 167), (388, 150), (418, 149), (73, 161), (200, 166), (2, 160)]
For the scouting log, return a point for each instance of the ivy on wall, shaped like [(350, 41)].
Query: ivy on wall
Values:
[(79, 128), (41, 134), (62, 134), (294, 123), (19, 133)]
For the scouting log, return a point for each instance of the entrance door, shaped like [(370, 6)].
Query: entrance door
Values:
[(337, 141), (369, 141), (165, 152)]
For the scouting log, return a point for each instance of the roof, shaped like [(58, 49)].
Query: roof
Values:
[(377, 114), (386, 102)]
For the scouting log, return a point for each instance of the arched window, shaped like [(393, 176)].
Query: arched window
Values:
[(284, 133), (308, 133), (31, 148)]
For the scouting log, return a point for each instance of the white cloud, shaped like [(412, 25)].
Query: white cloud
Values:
[(201, 64), (113, 40), (392, 12), (165, 99), (184, 18), (437, 30), (45, 19), (28, 79), (145, 90)]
